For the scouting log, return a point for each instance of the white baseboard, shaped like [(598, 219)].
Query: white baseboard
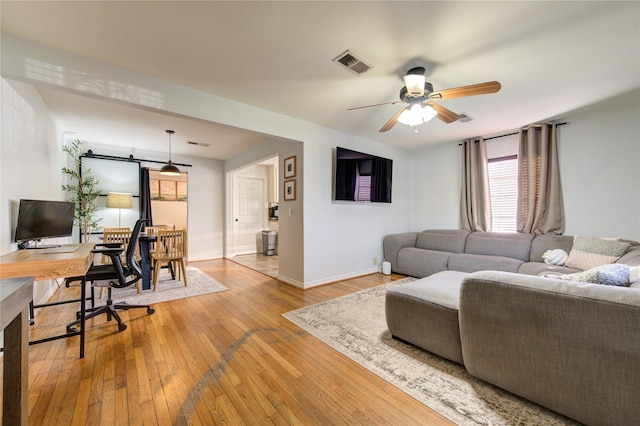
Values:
[(308, 285)]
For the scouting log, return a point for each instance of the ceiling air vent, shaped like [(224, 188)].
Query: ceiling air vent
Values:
[(198, 143), (348, 60), (464, 118)]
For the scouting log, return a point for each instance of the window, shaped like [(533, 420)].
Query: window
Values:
[(503, 184), (364, 188)]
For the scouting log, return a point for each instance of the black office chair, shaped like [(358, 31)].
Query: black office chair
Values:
[(116, 274)]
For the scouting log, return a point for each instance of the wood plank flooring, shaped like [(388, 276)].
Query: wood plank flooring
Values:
[(223, 358)]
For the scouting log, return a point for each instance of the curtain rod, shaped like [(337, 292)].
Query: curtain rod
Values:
[(90, 154), (515, 133)]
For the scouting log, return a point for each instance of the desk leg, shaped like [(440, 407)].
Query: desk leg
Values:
[(83, 313), (15, 403), (145, 264)]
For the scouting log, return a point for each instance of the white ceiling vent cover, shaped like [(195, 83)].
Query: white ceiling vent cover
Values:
[(464, 118), (348, 60), (198, 143)]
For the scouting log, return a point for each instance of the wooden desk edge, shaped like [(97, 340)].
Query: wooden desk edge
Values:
[(43, 266)]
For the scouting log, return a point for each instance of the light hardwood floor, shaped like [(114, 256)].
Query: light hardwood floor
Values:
[(223, 358)]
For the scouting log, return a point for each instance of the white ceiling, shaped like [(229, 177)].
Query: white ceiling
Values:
[(550, 57)]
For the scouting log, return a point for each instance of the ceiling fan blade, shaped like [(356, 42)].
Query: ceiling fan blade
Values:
[(369, 106), (474, 89), (392, 121), (444, 114)]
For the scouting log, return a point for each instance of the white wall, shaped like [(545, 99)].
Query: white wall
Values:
[(599, 155), (600, 169), (31, 161)]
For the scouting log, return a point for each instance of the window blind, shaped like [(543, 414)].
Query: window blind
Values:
[(503, 184)]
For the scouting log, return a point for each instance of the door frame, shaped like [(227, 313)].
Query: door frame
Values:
[(229, 248)]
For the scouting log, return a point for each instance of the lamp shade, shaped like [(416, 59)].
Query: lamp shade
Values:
[(414, 81), (119, 200), (170, 170)]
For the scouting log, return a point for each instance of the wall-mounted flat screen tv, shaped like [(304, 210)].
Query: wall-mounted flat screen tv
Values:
[(39, 219), (362, 177)]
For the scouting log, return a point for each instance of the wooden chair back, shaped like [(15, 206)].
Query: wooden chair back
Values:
[(116, 235), (171, 244)]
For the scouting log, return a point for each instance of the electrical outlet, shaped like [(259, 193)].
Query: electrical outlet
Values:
[(375, 260)]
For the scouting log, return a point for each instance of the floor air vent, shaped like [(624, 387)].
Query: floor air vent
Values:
[(348, 60)]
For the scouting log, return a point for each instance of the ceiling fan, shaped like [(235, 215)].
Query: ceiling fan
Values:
[(419, 95)]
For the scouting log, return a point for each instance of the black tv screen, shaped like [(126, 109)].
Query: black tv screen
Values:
[(362, 177), (38, 219)]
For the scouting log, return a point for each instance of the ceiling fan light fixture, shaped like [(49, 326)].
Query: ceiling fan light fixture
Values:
[(412, 116), (169, 169), (428, 113), (414, 81)]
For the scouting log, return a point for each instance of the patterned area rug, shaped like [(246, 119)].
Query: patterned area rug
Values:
[(355, 326), (168, 289)]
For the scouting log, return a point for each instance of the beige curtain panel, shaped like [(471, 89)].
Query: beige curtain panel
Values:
[(475, 199), (540, 207)]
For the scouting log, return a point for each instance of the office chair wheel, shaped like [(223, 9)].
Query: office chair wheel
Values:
[(150, 310), (122, 326)]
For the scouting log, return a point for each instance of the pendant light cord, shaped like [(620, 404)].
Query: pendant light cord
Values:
[(170, 132)]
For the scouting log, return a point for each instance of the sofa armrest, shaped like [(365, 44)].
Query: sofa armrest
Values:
[(391, 245), (572, 347)]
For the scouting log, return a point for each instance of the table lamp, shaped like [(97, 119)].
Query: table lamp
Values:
[(119, 200)]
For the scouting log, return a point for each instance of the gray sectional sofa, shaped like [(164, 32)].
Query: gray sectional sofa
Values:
[(568, 345)]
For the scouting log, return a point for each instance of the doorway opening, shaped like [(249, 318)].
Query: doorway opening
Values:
[(254, 229), (169, 200)]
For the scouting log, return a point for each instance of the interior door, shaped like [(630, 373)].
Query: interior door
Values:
[(249, 214)]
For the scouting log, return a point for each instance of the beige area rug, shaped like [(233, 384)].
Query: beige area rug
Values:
[(355, 326), (198, 283)]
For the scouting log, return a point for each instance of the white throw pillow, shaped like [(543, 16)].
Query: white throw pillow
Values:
[(555, 257)]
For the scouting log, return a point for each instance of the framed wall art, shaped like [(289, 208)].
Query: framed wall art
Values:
[(290, 167), (290, 190)]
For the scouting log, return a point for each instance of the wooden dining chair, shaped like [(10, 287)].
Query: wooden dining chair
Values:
[(170, 248), (115, 235)]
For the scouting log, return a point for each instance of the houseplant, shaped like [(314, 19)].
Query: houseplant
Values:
[(82, 187)]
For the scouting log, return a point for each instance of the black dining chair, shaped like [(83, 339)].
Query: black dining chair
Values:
[(116, 275)]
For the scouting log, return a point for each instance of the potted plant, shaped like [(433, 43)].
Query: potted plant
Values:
[(83, 190)]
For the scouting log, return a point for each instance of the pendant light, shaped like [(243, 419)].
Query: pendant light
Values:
[(169, 169)]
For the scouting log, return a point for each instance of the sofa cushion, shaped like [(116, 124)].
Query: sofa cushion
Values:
[(421, 263), (542, 243), (611, 274), (588, 252), (425, 313), (517, 246), (478, 262), (451, 240), (538, 268), (632, 256)]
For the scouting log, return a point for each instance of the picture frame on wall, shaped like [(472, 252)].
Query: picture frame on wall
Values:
[(290, 167), (290, 190)]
